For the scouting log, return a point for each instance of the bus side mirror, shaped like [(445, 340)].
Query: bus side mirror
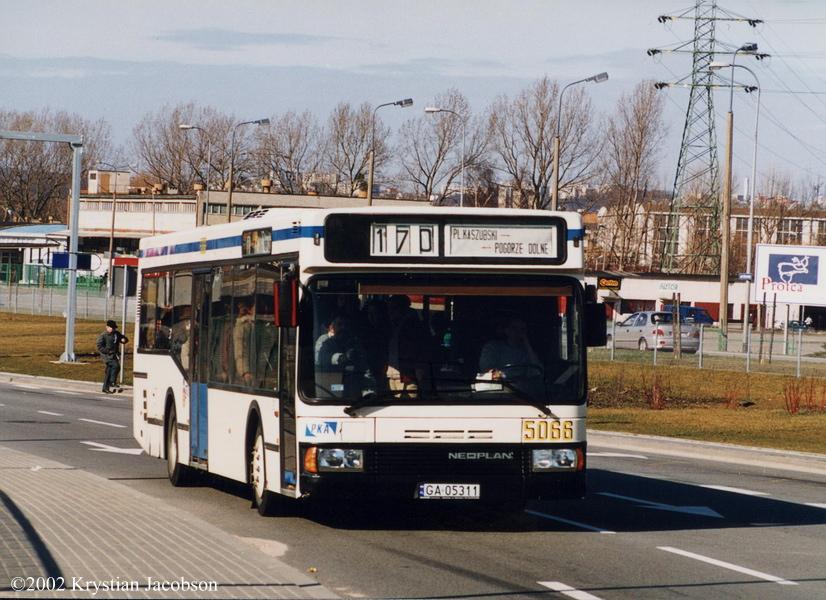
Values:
[(286, 303), (596, 324)]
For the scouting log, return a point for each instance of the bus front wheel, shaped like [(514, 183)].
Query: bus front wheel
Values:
[(179, 474), (262, 498)]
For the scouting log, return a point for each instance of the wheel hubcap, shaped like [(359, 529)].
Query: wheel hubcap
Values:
[(257, 468)]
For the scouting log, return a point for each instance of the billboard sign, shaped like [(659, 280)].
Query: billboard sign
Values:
[(797, 274)]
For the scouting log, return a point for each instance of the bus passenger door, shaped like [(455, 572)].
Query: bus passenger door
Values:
[(199, 368), (286, 400)]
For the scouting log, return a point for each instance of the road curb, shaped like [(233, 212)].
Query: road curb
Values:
[(770, 458), (56, 382)]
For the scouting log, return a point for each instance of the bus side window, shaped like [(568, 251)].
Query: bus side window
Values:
[(220, 326), (149, 307), (182, 317), (266, 333)]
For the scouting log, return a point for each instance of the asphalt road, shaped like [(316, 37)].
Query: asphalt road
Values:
[(652, 526)]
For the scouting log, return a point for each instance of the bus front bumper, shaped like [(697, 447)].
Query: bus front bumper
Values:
[(400, 471)]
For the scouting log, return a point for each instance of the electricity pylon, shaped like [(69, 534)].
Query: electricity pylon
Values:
[(695, 205)]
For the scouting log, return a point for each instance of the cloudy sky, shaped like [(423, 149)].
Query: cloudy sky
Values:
[(119, 60)]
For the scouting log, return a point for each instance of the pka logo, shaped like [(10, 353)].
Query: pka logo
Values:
[(793, 268), (321, 428)]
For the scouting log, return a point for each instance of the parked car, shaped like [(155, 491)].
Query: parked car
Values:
[(699, 315), (647, 329)]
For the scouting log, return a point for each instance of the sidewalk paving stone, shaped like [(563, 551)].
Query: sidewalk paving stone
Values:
[(65, 522)]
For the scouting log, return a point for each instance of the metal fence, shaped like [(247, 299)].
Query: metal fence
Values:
[(800, 352), (31, 275), (92, 302)]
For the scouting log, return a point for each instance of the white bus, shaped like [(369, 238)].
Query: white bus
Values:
[(412, 353)]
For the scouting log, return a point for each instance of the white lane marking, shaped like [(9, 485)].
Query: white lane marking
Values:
[(815, 505), (618, 455), (113, 449), (567, 590), (103, 423), (27, 386), (728, 565), (725, 488), (67, 392), (568, 522), (46, 412), (702, 511)]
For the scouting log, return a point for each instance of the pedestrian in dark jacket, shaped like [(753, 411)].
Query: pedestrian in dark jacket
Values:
[(108, 344)]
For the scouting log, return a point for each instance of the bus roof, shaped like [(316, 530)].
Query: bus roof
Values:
[(287, 228)]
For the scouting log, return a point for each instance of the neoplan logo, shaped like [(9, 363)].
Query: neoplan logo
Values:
[(480, 455)]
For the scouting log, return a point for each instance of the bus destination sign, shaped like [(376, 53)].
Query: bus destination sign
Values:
[(435, 238), (493, 241)]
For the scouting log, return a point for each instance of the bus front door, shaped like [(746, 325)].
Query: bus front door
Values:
[(286, 396), (199, 369)]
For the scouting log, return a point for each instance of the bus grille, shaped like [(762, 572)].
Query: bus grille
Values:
[(445, 460)]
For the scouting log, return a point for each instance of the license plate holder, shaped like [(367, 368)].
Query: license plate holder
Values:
[(448, 491)]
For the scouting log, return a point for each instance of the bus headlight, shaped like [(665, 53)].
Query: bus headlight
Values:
[(554, 459), (340, 459)]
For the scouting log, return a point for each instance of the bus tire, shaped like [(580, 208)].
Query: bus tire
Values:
[(179, 475), (264, 500)]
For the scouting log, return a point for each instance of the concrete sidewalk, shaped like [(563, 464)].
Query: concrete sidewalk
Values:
[(785, 460), (107, 540)]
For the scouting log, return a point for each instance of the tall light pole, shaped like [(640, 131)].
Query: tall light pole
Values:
[(186, 127), (264, 121), (725, 238), (110, 274), (598, 78), (436, 109), (750, 233), (372, 162)]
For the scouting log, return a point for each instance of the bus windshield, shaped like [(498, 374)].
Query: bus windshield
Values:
[(442, 340)]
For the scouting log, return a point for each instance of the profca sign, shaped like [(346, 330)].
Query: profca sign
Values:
[(797, 274)]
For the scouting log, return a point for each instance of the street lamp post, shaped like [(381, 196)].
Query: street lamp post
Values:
[(110, 274), (725, 226), (598, 78), (435, 109), (372, 162), (752, 187), (264, 121), (203, 131)]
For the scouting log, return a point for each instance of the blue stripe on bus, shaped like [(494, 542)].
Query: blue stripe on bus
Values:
[(232, 241), (574, 234), (300, 232)]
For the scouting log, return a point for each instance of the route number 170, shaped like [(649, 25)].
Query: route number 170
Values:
[(403, 239)]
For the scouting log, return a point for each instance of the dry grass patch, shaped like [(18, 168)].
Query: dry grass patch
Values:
[(773, 428), (31, 344)]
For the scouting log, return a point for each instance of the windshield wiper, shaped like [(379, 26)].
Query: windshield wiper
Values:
[(372, 399), (519, 393)]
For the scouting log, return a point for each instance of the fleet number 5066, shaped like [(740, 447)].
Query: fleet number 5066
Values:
[(540, 431)]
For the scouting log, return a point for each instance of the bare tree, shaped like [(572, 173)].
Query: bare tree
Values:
[(289, 149), (523, 130), (633, 136), (347, 144), (431, 150), (35, 177), (177, 158)]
